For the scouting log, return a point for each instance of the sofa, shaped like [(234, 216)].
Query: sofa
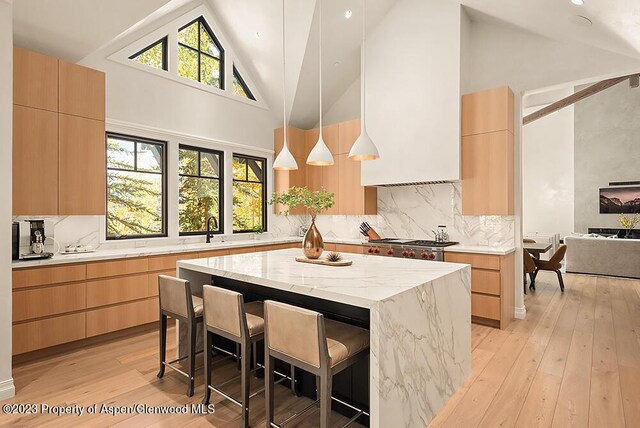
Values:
[(603, 256)]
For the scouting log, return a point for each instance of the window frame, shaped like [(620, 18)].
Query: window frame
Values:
[(165, 53), (203, 22), (163, 174), (243, 83), (220, 179), (264, 190)]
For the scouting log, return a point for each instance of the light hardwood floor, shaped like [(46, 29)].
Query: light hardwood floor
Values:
[(574, 361)]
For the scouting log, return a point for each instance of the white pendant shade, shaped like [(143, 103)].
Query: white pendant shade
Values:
[(320, 155), (285, 160), (363, 149)]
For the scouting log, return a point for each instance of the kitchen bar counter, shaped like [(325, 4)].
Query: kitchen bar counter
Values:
[(418, 314)]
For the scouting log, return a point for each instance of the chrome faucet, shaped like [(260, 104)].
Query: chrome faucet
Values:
[(209, 233)]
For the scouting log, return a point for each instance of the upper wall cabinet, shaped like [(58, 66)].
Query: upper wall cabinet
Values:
[(58, 128), (35, 80), (82, 91), (487, 152), (342, 178)]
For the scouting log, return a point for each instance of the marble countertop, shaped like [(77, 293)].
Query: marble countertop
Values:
[(369, 280)]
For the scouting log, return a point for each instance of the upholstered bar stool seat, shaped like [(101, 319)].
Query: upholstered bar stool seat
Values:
[(255, 317), (319, 346), (176, 301)]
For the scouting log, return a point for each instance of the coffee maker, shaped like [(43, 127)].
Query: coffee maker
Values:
[(33, 239)]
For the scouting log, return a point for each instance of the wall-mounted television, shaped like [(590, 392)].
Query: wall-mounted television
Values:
[(618, 200)]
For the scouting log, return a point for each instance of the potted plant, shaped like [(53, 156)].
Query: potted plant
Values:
[(629, 223), (315, 203)]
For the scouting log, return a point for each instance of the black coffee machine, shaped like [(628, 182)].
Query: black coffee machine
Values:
[(31, 240)]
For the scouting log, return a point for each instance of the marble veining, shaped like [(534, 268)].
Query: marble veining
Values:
[(420, 320)]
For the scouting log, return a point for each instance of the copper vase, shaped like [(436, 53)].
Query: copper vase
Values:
[(312, 244)]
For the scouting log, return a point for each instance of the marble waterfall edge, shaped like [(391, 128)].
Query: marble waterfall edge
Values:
[(420, 350)]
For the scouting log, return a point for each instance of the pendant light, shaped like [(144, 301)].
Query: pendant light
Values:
[(363, 148), (285, 160), (320, 155)]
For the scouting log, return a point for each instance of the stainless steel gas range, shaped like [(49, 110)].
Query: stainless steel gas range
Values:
[(407, 248)]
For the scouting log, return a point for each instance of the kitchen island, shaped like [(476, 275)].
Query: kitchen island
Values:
[(418, 314)]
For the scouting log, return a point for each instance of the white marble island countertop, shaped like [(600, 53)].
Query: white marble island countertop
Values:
[(419, 319), (370, 279)]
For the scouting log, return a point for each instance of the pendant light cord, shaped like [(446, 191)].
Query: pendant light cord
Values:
[(320, 61), (284, 80), (362, 64)]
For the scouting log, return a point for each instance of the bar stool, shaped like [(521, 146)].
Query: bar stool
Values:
[(320, 346), (226, 315), (176, 301)]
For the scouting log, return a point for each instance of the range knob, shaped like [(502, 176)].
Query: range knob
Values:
[(370, 250), (423, 255), (411, 253), (390, 252), (376, 251), (405, 253), (432, 256)]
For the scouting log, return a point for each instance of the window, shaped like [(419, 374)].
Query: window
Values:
[(200, 192), (249, 194), (136, 187), (154, 55), (240, 87), (200, 56)]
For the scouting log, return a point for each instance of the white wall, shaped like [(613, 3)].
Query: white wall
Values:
[(346, 108), (413, 93), (6, 100), (547, 160)]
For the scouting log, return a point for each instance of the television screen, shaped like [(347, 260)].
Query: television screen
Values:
[(617, 200)]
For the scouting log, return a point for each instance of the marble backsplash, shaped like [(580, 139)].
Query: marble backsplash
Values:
[(413, 212), (404, 212)]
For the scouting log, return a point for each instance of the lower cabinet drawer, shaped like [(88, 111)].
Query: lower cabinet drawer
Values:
[(212, 253), (34, 335), (42, 302), (482, 261), (242, 250), (119, 317), (152, 281), (116, 290), (485, 306), (485, 281), (346, 248)]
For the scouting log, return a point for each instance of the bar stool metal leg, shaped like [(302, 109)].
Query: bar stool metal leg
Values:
[(245, 373), (192, 358), (163, 344), (208, 343), (326, 382)]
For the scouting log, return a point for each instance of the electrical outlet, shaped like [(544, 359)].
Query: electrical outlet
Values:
[(484, 242)]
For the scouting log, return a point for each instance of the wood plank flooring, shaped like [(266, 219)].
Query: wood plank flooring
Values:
[(574, 361)]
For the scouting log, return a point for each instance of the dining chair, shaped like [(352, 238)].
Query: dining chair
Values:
[(528, 241), (529, 268), (553, 264)]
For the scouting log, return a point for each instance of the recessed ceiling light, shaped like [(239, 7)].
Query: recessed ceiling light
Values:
[(577, 2), (348, 14), (258, 35)]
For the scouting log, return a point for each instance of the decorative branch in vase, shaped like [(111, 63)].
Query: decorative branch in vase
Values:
[(629, 223), (315, 203)]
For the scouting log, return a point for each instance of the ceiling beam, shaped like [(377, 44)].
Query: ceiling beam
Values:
[(580, 95)]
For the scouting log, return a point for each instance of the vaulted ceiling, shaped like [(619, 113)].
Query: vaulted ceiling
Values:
[(72, 29)]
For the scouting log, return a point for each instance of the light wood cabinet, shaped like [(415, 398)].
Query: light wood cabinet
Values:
[(34, 335), (119, 317), (22, 278), (82, 166), (117, 290), (81, 91), (35, 161), (487, 153), (42, 302), (492, 286), (117, 267), (342, 178), (35, 80)]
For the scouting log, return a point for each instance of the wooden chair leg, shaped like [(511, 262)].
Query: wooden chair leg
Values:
[(163, 344), (192, 357), (325, 399), (533, 280), (208, 336), (245, 375), (268, 389), (524, 283), (560, 280)]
